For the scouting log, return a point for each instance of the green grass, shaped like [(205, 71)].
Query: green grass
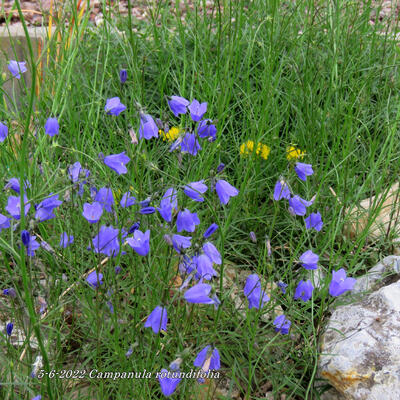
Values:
[(315, 75)]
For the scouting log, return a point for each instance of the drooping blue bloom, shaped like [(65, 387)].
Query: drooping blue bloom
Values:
[(199, 294), (105, 197), (123, 75), (298, 206), (190, 144), (16, 68), (129, 352), (145, 203), (106, 241), (208, 359), (66, 240), (169, 382), (309, 260), (204, 268), (117, 162), (38, 397), (74, 171), (207, 129), (46, 246), (25, 237), (44, 210), (14, 206), (194, 190), (197, 110), (13, 183), (340, 283), (187, 221), (168, 204), (95, 279), (134, 227), (92, 212), (210, 230), (127, 200), (314, 220), (148, 128), (3, 132), (220, 168), (117, 269), (10, 292), (9, 328), (51, 127), (140, 242), (157, 320), (304, 290), (147, 210), (178, 105), (4, 222), (255, 295), (282, 324), (282, 286), (181, 242), (303, 170), (225, 191), (212, 253), (253, 237), (114, 106), (281, 190), (30, 243)]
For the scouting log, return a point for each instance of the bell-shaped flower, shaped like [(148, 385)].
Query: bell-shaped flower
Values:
[(187, 221), (178, 105), (195, 189), (105, 197), (157, 320), (52, 127), (140, 242), (225, 191), (197, 110), (16, 68), (114, 106), (148, 127), (117, 162)]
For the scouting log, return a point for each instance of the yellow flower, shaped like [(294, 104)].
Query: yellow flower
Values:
[(171, 135), (293, 153), (262, 149)]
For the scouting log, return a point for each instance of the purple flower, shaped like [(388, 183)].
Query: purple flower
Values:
[(106, 241), (281, 190), (9, 328), (95, 279), (190, 144), (14, 206), (197, 110), (210, 230), (282, 286), (208, 359), (157, 320), (44, 210), (10, 292), (25, 237), (38, 397), (127, 200), (4, 222), (298, 206), (304, 290), (199, 294), (123, 75), (74, 171), (309, 260), (30, 243), (253, 237), (13, 183), (303, 170), (117, 269), (212, 253), (140, 242), (66, 240), (220, 168), (282, 324), (92, 212), (255, 295), (178, 105), (134, 227), (194, 189), (204, 268), (3, 132), (207, 129), (168, 381), (16, 68), (105, 197), (117, 162), (148, 127), (181, 242), (51, 127), (340, 283), (187, 221), (147, 210), (114, 106), (168, 203), (145, 203), (225, 191), (314, 220)]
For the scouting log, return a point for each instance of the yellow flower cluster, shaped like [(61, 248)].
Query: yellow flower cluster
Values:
[(171, 135), (292, 153), (262, 149)]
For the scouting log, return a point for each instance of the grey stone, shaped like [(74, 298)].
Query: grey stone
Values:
[(360, 349)]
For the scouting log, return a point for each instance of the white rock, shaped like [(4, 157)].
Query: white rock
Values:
[(361, 347)]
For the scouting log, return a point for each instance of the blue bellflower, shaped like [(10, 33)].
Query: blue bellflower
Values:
[(304, 290), (140, 242), (168, 204), (309, 260), (298, 206), (148, 128), (114, 106), (195, 189), (30, 243), (281, 190), (168, 383), (123, 75), (106, 241), (198, 294), (4, 222), (105, 197), (187, 221), (225, 191), (92, 212), (3, 132), (340, 283), (14, 206), (178, 105), (157, 320), (181, 242), (207, 129), (197, 110), (66, 240), (210, 230), (117, 162), (16, 68), (127, 200), (44, 210), (95, 279), (303, 170), (204, 268), (255, 295), (51, 127), (212, 253), (282, 324), (190, 144), (9, 328), (208, 359), (314, 220)]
